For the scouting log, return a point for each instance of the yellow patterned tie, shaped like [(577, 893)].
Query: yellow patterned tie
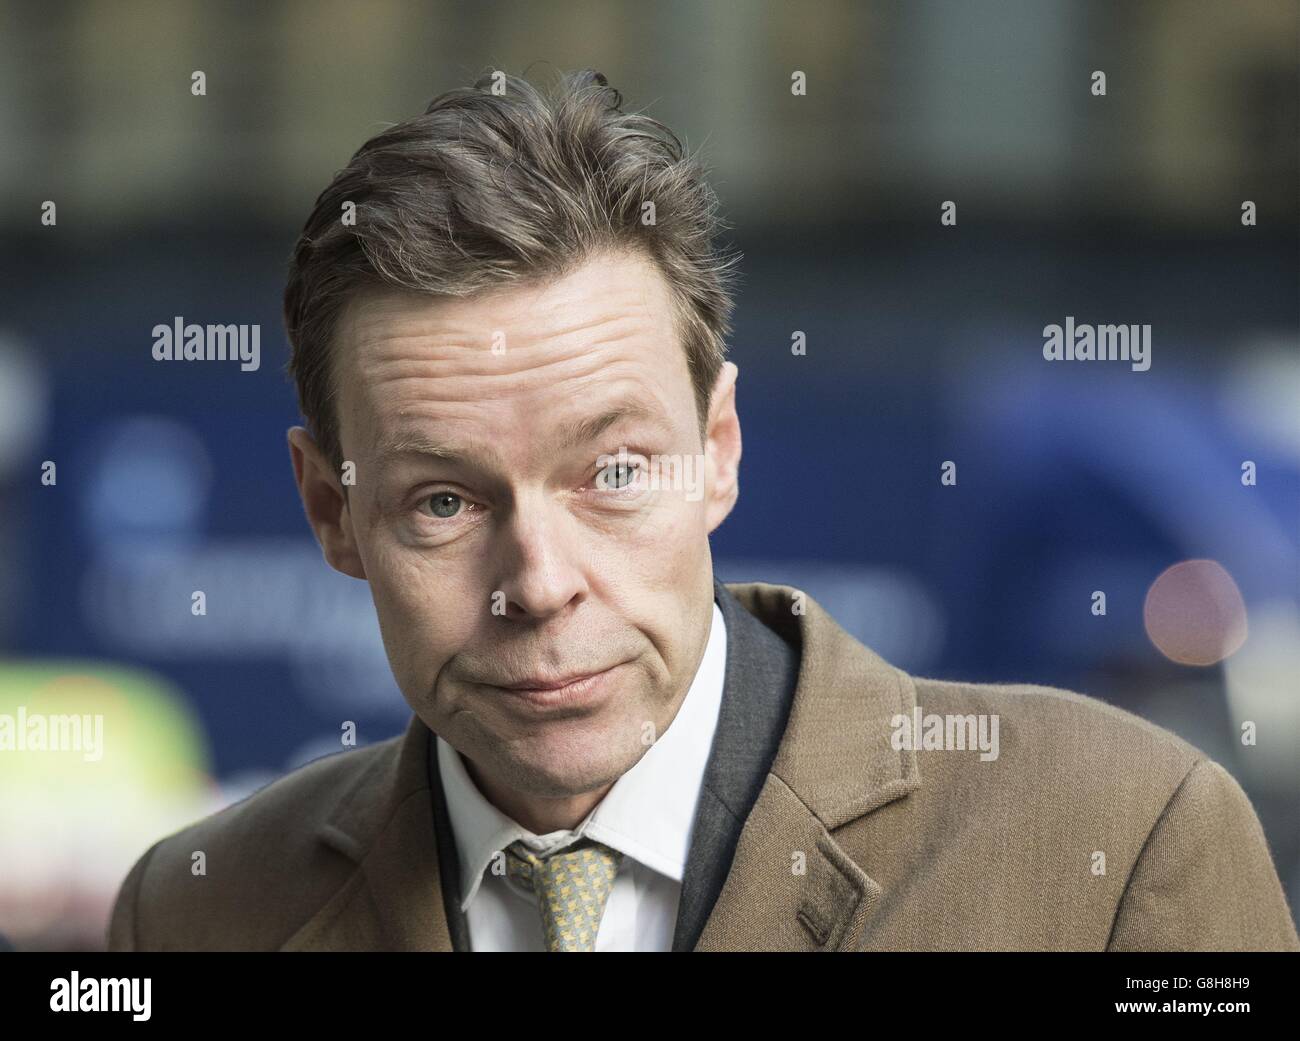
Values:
[(571, 888)]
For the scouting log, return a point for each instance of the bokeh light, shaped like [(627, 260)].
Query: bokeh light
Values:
[(1194, 613)]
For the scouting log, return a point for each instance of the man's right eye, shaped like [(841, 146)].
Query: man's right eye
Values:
[(444, 504)]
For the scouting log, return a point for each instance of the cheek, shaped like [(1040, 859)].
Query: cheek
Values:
[(424, 613), (660, 550), (685, 539), (659, 578)]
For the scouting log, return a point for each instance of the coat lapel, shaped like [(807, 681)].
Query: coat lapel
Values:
[(791, 886), (393, 900), (758, 688)]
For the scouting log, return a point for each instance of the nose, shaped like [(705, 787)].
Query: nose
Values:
[(539, 555)]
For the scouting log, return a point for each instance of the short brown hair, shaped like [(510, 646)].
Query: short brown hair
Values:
[(489, 188)]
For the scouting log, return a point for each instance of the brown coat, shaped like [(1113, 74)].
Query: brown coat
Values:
[(853, 844)]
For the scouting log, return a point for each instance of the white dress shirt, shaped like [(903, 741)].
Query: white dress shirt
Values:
[(647, 815)]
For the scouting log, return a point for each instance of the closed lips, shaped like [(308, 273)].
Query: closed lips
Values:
[(540, 683)]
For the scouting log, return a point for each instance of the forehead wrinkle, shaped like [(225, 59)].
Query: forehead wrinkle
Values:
[(434, 338), (573, 433), (418, 381), (387, 370), (459, 331)]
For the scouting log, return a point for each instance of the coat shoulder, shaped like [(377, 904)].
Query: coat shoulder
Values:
[(1135, 838), (245, 877), (1072, 733), (1064, 756)]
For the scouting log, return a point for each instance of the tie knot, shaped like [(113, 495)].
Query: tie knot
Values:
[(572, 887)]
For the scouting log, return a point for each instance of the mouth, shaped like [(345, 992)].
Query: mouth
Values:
[(574, 691)]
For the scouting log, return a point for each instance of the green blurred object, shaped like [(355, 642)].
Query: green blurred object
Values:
[(75, 814)]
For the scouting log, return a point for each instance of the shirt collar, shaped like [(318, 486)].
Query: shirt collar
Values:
[(648, 812)]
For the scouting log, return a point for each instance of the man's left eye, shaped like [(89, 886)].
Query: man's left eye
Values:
[(616, 476)]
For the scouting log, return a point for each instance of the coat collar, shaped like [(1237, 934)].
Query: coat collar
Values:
[(834, 764)]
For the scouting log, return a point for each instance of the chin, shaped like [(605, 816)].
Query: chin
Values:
[(559, 766)]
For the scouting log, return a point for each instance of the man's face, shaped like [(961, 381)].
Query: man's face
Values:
[(502, 551)]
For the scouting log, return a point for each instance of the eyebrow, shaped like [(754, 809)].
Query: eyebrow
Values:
[(573, 434), (418, 444), (583, 431)]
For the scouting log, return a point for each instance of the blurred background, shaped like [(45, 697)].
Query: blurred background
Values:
[(924, 346)]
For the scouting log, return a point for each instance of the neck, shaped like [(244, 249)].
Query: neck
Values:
[(538, 814)]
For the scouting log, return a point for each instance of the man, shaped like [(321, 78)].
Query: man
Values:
[(508, 321)]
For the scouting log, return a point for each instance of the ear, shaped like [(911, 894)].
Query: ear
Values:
[(326, 505), (722, 448)]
